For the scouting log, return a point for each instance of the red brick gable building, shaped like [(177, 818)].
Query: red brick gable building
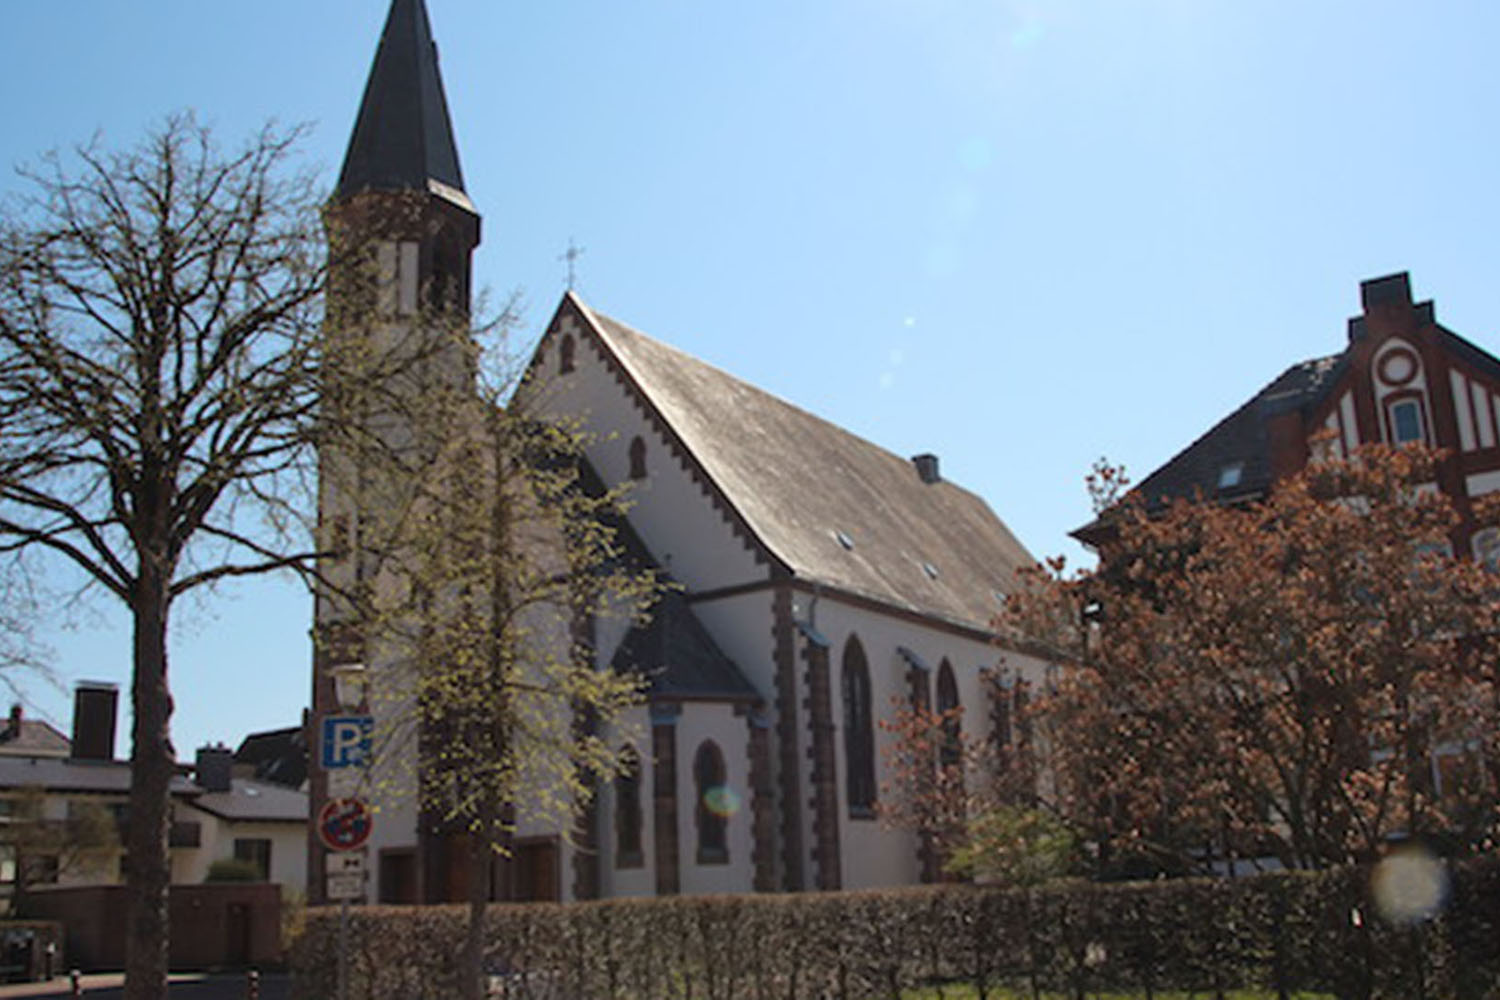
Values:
[(1402, 377)]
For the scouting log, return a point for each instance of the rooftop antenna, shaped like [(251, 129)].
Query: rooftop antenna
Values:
[(571, 255)]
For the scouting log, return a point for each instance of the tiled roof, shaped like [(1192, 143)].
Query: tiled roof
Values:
[(1241, 438), (36, 738), (278, 756), (672, 650), (55, 774), (248, 800), (678, 657), (799, 482)]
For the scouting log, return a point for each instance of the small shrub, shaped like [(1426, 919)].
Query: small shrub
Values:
[(233, 870)]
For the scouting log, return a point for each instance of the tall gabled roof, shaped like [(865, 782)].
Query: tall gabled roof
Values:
[(798, 482), (278, 756), (1241, 438), (403, 138)]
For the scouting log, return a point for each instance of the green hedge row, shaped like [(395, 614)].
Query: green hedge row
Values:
[(1283, 932)]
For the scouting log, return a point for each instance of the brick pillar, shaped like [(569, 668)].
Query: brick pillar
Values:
[(787, 758), (762, 808), (586, 848), (664, 797), (920, 693), (824, 772)]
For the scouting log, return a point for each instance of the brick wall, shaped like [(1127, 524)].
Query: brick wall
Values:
[(212, 926)]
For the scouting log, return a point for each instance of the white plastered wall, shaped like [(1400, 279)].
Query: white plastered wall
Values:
[(634, 730), (699, 722), (871, 855), (671, 513)]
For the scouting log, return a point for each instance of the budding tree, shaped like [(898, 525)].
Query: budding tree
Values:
[(1301, 677)]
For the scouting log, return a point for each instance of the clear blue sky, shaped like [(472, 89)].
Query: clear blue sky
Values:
[(1019, 234)]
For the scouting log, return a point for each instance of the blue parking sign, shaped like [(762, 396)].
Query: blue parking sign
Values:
[(346, 741)]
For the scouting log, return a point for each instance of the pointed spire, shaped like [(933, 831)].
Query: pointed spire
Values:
[(403, 138)]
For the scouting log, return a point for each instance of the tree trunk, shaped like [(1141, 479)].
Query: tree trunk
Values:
[(151, 767), (471, 961)]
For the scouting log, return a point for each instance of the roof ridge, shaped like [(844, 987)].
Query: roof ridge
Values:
[(1253, 399), (866, 525), (768, 394)]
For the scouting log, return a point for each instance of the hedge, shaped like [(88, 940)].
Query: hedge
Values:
[(1283, 933)]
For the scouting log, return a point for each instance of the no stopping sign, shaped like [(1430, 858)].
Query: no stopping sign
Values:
[(345, 824)]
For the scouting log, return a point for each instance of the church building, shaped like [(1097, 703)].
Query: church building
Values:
[(820, 578)]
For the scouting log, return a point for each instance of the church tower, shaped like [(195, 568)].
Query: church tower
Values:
[(402, 233)]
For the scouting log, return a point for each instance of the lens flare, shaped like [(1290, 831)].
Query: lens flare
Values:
[(1409, 885), (721, 801)]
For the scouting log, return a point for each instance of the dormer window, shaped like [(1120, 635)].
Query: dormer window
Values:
[(1230, 475)]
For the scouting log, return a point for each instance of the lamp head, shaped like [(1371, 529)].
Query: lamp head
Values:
[(349, 683)]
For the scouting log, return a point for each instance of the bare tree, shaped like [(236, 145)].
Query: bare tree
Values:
[(159, 385)]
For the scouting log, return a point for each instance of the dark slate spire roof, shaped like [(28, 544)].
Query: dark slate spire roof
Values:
[(403, 139)]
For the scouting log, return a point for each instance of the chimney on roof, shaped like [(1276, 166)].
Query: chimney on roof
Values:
[(94, 707), (1383, 302), (1393, 289), (214, 768), (927, 468), (13, 730)]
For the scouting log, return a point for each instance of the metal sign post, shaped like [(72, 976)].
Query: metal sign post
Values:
[(345, 821)]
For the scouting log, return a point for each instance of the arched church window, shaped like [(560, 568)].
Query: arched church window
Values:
[(628, 810), (859, 732), (709, 780), (565, 355), (637, 458), (1001, 732), (950, 753)]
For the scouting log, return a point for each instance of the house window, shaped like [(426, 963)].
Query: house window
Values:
[(257, 851), (1230, 475), (565, 355), (1486, 543), (1406, 421), (628, 811), (950, 753), (712, 812), (637, 458), (859, 733)]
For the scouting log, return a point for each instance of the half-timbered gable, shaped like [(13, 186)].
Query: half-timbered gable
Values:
[(1401, 377)]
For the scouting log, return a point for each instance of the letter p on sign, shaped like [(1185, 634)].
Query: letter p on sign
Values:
[(346, 741)]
